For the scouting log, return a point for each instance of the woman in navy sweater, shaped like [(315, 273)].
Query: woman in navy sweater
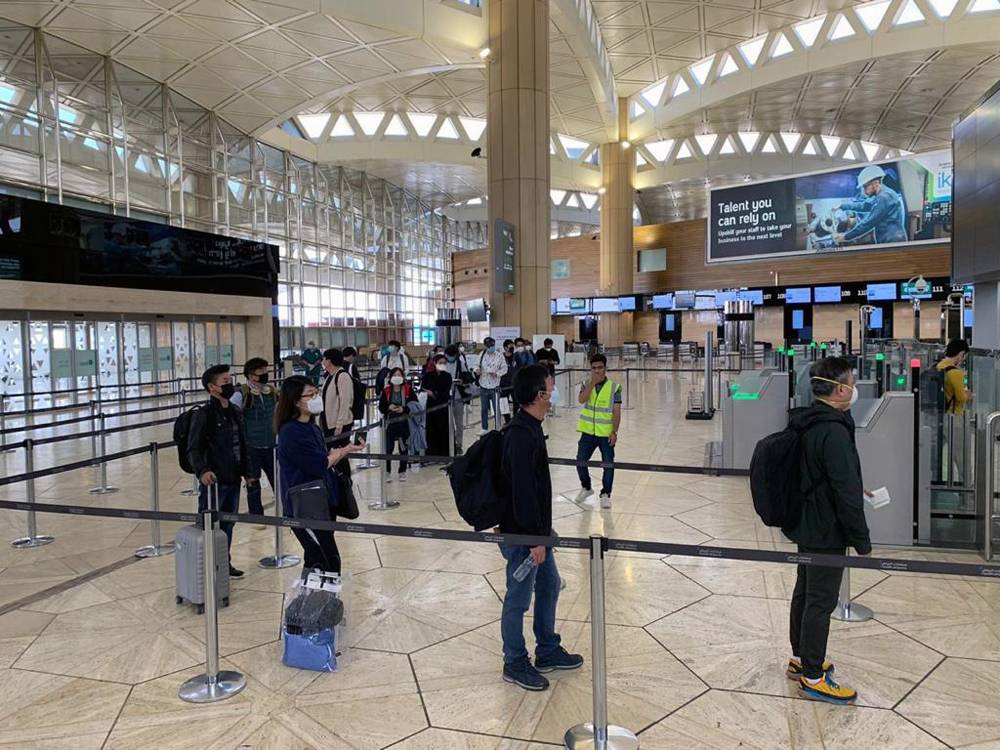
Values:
[(303, 457)]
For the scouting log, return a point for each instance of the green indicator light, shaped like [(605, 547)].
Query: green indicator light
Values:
[(780, 350), (823, 347), (901, 381), (746, 396), (734, 387), (812, 344), (880, 357), (790, 352)]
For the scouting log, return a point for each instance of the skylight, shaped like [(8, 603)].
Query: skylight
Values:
[(652, 95), (727, 147), (573, 201), (782, 47), (636, 109), (842, 29), (396, 127), (684, 152), (423, 123), (7, 93), (728, 67), (680, 86), (831, 143), (448, 130), (589, 200), (791, 141), (475, 201), (314, 124), (574, 146), (68, 116), (700, 70), (810, 149), (871, 14), (557, 196), (853, 152), (910, 14), (474, 127), (943, 8), (660, 149), (706, 142), (984, 6), (870, 149), (640, 160), (749, 140), (770, 147), (751, 50), (369, 121), (342, 127), (552, 148), (807, 31)]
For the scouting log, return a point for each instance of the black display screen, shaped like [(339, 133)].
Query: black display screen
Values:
[(62, 244)]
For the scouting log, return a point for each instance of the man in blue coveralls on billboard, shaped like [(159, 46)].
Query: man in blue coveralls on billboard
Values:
[(881, 210)]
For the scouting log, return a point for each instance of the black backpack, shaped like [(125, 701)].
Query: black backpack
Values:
[(182, 431), (932, 389), (482, 493), (775, 477), (358, 404)]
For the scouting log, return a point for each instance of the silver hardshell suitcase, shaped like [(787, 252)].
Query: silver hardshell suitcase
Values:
[(189, 565)]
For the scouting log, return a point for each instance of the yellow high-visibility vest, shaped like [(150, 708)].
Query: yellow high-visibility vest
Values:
[(597, 415)]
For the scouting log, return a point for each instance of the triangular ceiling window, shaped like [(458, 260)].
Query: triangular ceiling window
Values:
[(589, 199), (807, 31), (706, 142), (871, 149), (943, 8), (680, 86), (422, 122), (342, 127), (684, 152), (636, 110), (841, 29), (810, 149), (660, 149), (727, 147), (574, 146), (474, 126), (831, 143), (369, 121), (910, 14), (557, 196), (572, 201), (791, 141), (700, 70), (871, 14), (729, 66), (396, 127), (314, 124), (984, 6), (652, 95), (640, 160), (749, 141), (447, 130), (782, 47), (751, 50), (770, 147)]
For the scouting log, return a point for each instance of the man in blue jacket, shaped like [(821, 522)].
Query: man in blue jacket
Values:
[(882, 209)]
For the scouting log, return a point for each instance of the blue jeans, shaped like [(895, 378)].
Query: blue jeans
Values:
[(588, 444), (229, 502), (258, 459), (487, 398), (544, 582)]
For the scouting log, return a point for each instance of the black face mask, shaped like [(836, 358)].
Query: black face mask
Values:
[(228, 390), (262, 379)]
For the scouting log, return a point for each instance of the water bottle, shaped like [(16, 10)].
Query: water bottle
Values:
[(524, 568)]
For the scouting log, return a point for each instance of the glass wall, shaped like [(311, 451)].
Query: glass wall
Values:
[(362, 261)]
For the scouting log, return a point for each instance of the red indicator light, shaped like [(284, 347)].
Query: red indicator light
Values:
[(914, 363)]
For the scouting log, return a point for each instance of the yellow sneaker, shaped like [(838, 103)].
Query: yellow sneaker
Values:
[(827, 690), (794, 669)]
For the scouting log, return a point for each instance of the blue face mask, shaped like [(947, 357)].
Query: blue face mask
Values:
[(452, 359), (491, 349)]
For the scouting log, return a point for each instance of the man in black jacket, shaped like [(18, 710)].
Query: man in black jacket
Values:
[(525, 466), (217, 448), (833, 518)]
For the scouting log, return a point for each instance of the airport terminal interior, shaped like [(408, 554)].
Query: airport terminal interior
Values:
[(716, 196)]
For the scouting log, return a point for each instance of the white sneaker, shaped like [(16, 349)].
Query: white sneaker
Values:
[(605, 501), (402, 477), (483, 432), (388, 479), (583, 495)]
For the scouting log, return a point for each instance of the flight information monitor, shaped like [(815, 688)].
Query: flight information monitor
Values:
[(604, 305), (562, 306), (663, 302), (683, 300), (875, 320), (968, 318), (754, 296), (579, 305), (704, 301), (827, 294), (626, 304), (721, 298), (881, 293), (798, 319), (799, 296)]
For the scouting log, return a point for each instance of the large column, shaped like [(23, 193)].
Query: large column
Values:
[(518, 156), (617, 256)]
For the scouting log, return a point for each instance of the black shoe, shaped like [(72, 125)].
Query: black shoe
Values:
[(235, 572), (524, 675), (559, 660)]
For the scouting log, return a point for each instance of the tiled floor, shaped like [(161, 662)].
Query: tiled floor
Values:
[(93, 647)]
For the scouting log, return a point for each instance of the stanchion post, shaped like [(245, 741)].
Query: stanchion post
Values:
[(3, 427), (598, 734), (33, 539), (628, 398), (496, 407), (214, 685), (94, 411), (848, 611), (103, 488), (383, 502), (451, 423), (156, 549), (279, 559), (709, 402)]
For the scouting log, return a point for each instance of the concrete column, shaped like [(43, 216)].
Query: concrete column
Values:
[(518, 155), (617, 250)]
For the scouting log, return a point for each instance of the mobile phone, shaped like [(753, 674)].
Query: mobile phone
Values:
[(359, 438)]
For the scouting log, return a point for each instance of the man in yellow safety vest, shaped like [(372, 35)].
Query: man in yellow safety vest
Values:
[(600, 415)]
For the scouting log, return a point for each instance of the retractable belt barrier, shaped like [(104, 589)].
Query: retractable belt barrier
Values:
[(90, 417), (979, 570)]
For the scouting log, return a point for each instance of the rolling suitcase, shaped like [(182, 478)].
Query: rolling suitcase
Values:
[(189, 562)]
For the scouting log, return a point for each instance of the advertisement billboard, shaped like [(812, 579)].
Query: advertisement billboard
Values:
[(887, 204)]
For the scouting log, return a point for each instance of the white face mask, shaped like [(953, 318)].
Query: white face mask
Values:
[(441, 366), (854, 391), (397, 380), (854, 395), (315, 404), (461, 350)]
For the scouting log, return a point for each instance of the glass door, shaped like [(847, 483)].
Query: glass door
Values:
[(164, 352)]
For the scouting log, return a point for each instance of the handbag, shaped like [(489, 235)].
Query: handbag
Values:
[(347, 503)]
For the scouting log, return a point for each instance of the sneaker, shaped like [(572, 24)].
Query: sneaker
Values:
[(235, 572), (582, 495), (483, 432), (388, 478), (605, 501), (402, 477), (561, 659), (525, 676), (827, 690), (794, 669)]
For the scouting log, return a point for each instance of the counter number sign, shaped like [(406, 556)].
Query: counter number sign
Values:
[(504, 250)]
